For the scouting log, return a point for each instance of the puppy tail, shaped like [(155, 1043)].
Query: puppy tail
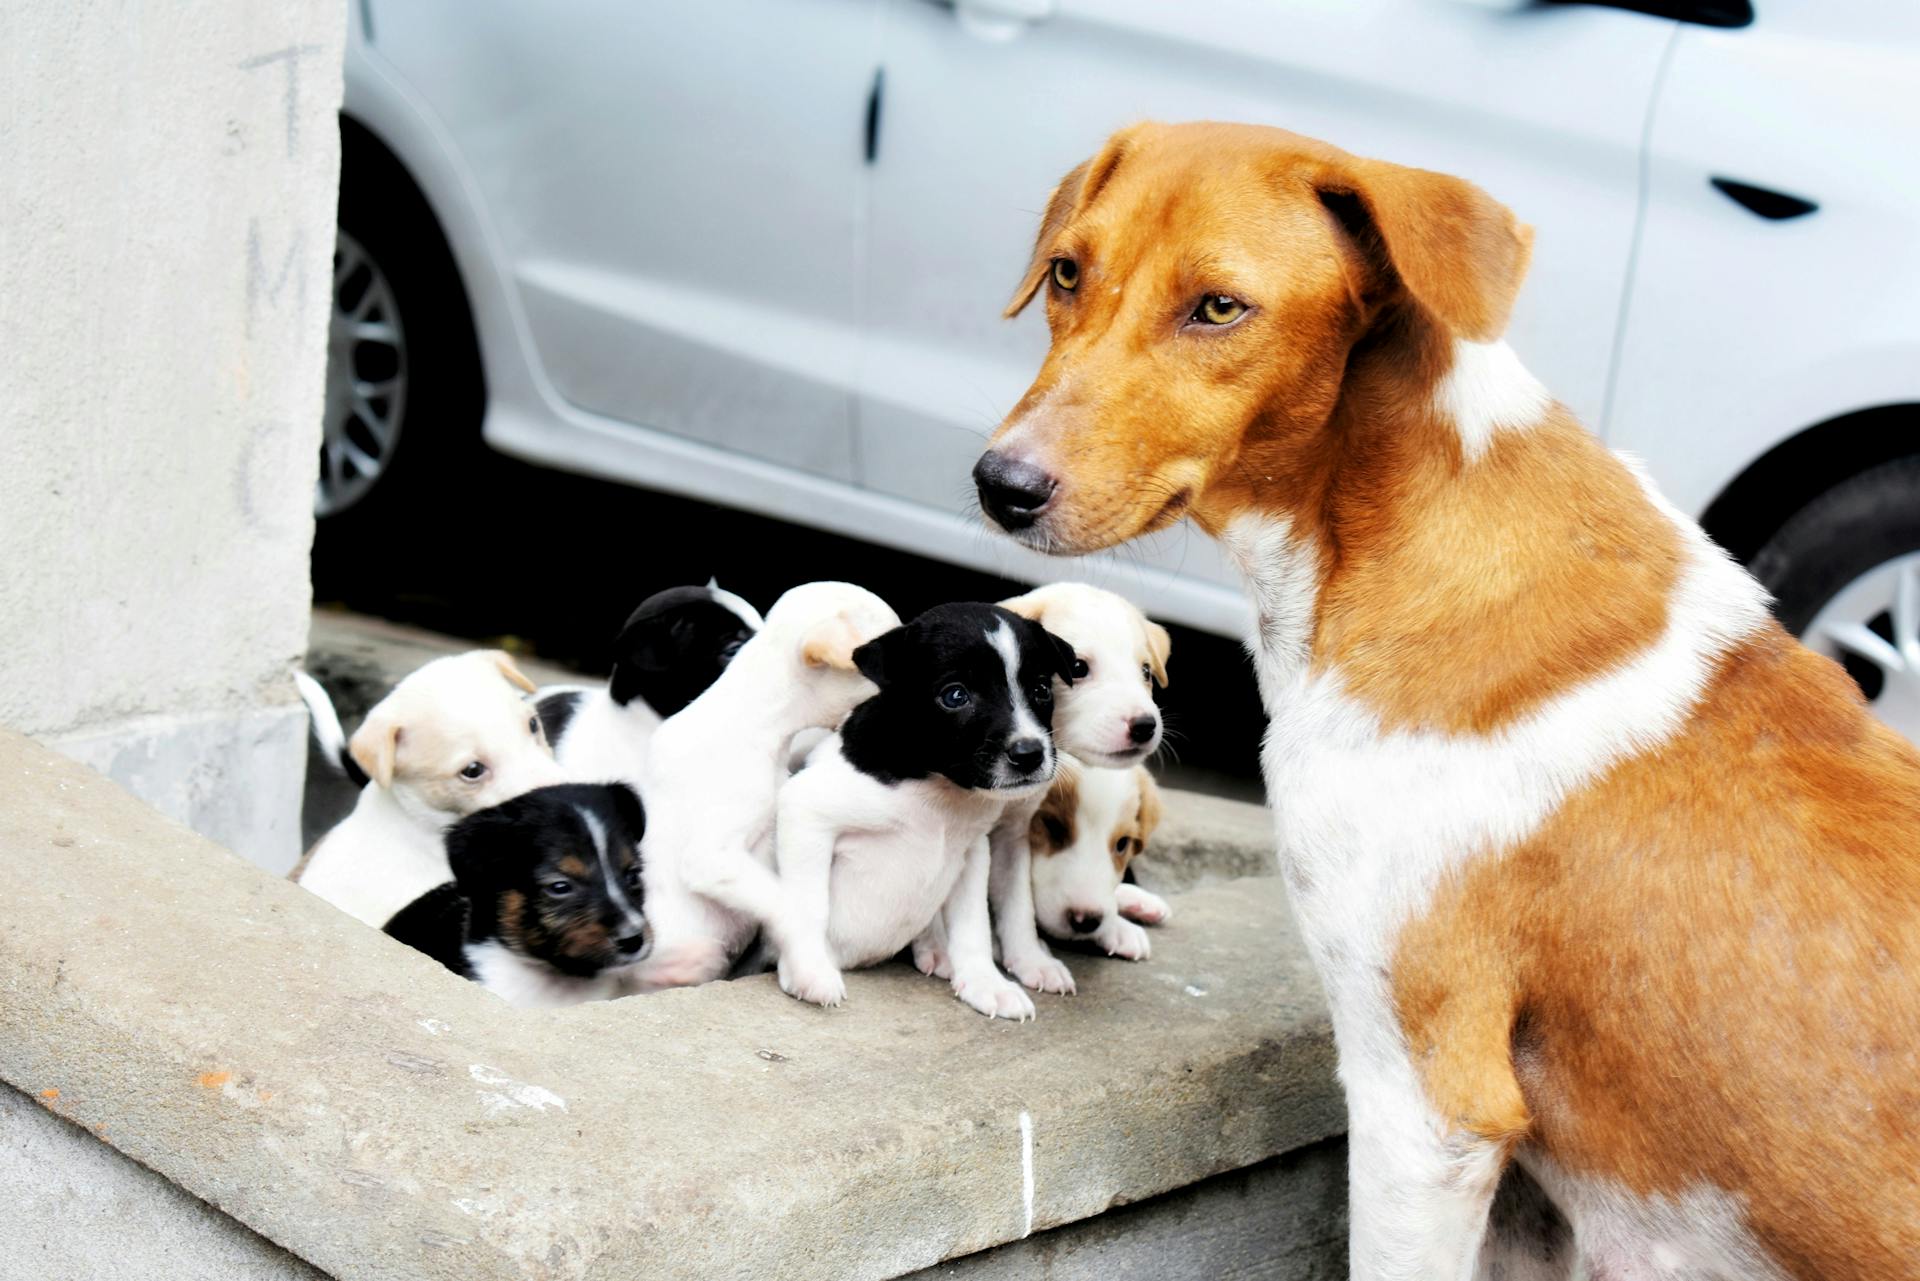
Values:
[(326, 729)]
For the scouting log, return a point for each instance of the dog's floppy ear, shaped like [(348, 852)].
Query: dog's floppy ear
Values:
[(375, 745), (872, 658), (516, 677), (1074, 192), (1457, 250), (626, 804), (1159, 647), (831, 642), (436, 923), (1032, 605), (1061, 653), (484, 845), (1150, 808)]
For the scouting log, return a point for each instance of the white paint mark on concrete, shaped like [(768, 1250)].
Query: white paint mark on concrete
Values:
[(1026, 1171), (512, 1093), (434, 1027), (1191, 990)]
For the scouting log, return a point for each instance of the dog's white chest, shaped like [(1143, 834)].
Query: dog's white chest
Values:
[(887, 885)]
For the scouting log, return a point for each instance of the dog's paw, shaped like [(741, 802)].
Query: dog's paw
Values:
[(994, 996), (932, 960), (818, 983), (687, 964), (1125, 940), (1137, 905), (1042, 973)]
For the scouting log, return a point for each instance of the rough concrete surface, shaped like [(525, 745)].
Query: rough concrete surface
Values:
[(380, 1118), (76, 1210), (1283, 1220), (166, 230)]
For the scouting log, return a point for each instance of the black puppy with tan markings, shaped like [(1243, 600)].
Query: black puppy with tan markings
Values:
[(545, 905)]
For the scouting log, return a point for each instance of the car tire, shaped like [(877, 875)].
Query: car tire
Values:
[(1837, 567), (393, 273)]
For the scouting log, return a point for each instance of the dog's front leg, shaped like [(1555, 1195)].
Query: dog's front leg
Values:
[(1010, 891), (807, 829), (1419, 1188), (976, 979)]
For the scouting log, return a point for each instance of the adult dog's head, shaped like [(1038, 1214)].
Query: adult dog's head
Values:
[(1208, 287)]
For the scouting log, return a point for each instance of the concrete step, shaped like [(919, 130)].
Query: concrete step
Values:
[(360, 1108)]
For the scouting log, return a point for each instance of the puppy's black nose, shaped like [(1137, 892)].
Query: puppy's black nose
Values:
[(630, 944), (1084, 922), (1141, 728), (1026, 754), (1011, 492)]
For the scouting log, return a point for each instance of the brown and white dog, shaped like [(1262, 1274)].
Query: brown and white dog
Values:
[(1607, 878)]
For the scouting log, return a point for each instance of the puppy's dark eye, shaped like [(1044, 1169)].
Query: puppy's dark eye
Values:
[(632, 878), (1218, 309), (732, 647), (1120, 846), (1146, 673), (533, 726), (559, 889), (1042, 693), (474, 771), (1080, 668), (955, 696), (1066, 274)]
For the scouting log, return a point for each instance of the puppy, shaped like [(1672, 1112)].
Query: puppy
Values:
[(1091, 826), (883, 835), (1106, 719), (453, 737), (714, 771), (544, 908), (672, 647)]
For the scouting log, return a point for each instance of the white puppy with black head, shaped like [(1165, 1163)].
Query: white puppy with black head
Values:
[(453, 737), (715, 768), (1106, 720), (883, 835)]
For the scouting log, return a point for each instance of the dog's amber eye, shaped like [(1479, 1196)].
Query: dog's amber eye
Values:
[(1219, 309), (1066, 274)]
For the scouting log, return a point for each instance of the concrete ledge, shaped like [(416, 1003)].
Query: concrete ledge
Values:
[(362, 1108)]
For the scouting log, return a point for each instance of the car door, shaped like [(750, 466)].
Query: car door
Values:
[(673, 191), (988, 102)]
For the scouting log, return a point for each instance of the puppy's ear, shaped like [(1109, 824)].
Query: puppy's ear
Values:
[(1159, 648), (1150, 809), (436, 923), (632, 814), (1061, 653), (1053, 823), (516, 677), (375, 746), (484, 847), (831, 642), (1459, 252), (1032, 605), (876, 659)]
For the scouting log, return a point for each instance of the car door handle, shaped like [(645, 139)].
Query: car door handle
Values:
[(1774, 206)]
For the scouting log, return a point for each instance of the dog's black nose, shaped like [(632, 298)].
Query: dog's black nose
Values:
[(630, 944), (1011, 492), (1026, 754), (1141, 728), (1084, 922)]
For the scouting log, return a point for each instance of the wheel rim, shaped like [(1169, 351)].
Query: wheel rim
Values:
[(1873, 627), (366, 380)]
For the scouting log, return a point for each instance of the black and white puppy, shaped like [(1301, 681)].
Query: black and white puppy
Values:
[(882, 836), (669, 651), (545, 905)]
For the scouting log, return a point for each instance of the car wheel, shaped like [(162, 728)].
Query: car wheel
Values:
[(366, 401), (1845, 574)]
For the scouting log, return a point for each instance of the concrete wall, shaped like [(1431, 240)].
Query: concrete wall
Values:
[(166, 230)]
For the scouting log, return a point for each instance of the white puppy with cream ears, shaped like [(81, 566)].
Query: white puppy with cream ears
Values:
[(455, 736), (1106, 721), (714, 771)]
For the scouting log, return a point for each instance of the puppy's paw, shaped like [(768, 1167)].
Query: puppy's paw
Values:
[(932, 960), (1042, 973), (1137, 905), (1125, 940), (686, 964), (818, 983), (994, 996)]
